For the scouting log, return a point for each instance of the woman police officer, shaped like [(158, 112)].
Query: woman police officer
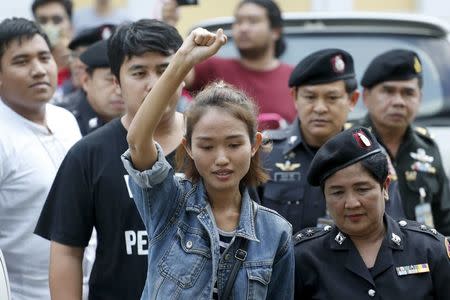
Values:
[(366, 255)]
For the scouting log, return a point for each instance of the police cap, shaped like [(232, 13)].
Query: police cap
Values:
[(323, 66), (344, 149), (96, 56), (397, 64), (91, 35)]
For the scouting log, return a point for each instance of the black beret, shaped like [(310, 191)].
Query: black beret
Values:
[(344, 149), (91, 35), (96, 56), (397, 64), (323, 66)]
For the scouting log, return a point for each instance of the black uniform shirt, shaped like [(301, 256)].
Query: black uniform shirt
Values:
[(288, 192), (413, 263), (78, 105), (419, 165)]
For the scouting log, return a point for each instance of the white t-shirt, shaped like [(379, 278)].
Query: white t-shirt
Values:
[(29, 159)]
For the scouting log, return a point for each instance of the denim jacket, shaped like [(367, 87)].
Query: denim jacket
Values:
[(184, 259)]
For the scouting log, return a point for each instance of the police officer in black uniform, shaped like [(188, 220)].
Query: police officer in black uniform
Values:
[(392, 93), (324, 88), (100, 102), (366, 255)]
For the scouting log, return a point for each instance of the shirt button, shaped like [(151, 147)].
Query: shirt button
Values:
[(289, 202), (189, 244), (297, 202), (371, 292)]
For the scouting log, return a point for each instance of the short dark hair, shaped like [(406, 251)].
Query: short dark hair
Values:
[(351, 85), (67, 4), (17, 29), (275, 19), (137, 38)]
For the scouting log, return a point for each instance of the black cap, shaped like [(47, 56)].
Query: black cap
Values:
[(398, 64), (323, 66), (91, 35), (344, 149), (96, 56)]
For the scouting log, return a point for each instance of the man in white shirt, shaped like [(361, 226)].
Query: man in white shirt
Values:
[(34, 138)]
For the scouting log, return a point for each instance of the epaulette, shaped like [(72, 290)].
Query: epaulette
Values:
[(310, 233), (418, 227), (423, 132), (277, 134), (348, 125)]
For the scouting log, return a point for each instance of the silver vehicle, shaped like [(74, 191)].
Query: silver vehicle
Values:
[(365, 35)]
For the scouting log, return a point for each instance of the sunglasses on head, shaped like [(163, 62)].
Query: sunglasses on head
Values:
[(56, 19)]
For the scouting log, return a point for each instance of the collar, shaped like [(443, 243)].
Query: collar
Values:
[(197, 201), (293, 136), (393, 238)]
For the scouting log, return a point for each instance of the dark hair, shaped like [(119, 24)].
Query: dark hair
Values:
[(377, 166), (17, 29), (275, 19), (225, 97), (137, 38), (67, 4), (351, 85)]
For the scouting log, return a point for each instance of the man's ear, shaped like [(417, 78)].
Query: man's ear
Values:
[(187, 148), (354, 99)]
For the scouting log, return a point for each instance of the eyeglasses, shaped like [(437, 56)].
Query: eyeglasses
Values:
[(56, 19)]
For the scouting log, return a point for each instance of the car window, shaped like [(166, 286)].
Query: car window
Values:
[(434, 53)]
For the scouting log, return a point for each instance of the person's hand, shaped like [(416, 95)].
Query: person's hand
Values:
[(202, 44), (169, 12)]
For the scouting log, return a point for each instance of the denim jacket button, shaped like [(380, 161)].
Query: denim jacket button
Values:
[(227, 256), (189, 244)]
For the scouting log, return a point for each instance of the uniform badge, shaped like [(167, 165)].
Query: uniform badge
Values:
[(287, 166), (292, 139), (362, 140), (338, 64), (410, 175), (340, 238), (417, 65), (412, 269), (396, 239), (447, 247), (421, 156), (93, 123), (423, 167), (106, 33)]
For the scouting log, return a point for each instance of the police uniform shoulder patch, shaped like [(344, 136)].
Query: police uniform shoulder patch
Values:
[(310, 234), (423, 132), (418, 227), (348, 125), (280, 134)]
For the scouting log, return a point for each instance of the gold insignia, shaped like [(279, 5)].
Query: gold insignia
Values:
[(348, 125), (417, 65), (411, 175), (412, 269), (422, 131), (287, 166)]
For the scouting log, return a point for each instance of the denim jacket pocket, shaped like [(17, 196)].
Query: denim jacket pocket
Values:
[(193, 249), (258, 281)]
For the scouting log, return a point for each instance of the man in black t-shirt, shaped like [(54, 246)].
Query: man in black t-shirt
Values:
[(91, 187)]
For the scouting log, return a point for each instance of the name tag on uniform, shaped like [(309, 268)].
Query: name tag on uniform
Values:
[(424, 214), (412, 269), (286, 176)]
